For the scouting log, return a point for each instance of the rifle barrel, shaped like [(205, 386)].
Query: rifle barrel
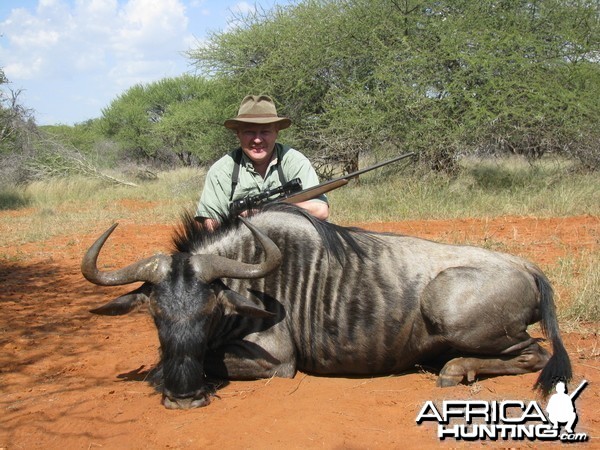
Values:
[(378, 165), (330, 185)]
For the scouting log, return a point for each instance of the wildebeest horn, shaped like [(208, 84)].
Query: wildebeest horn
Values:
[(211, 267), (152, 269)]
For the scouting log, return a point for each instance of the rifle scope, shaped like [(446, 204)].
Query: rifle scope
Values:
[(252, 201)]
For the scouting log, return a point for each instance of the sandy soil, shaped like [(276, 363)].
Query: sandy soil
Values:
[(69, 379)]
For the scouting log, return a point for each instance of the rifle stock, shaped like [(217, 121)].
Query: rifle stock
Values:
[(319, 189)]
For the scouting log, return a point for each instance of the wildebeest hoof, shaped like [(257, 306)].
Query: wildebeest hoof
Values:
[(449, 380), (452, 373), (196, 401)]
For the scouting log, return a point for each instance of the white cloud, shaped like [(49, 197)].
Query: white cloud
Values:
[(72, 57), (243, 8), (97, 9), (36, 38), (59, 38), (145, 25), (23, 71)]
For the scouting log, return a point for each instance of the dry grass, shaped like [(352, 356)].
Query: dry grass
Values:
[(578, 280), (485, 189)]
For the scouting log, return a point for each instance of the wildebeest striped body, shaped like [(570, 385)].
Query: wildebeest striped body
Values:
[(362, 315), (339, 301)]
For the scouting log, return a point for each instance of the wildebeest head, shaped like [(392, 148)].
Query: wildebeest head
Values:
[(186, 298)]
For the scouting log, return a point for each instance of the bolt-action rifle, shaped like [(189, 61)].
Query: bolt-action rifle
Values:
[(292, 192)]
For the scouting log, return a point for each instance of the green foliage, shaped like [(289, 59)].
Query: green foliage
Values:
[(82, 136), (129, 118), (190, 130), (367, 77), (442, 78), (178, 116)]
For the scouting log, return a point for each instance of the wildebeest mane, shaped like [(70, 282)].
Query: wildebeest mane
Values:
[(333, 236), (191, 234)]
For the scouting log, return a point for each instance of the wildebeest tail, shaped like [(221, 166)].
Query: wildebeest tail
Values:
[(558, 367)]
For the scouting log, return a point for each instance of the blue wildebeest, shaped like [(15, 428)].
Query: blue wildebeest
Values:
[(284, 292)]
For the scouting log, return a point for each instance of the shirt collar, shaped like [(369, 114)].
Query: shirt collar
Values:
[(247, 162)]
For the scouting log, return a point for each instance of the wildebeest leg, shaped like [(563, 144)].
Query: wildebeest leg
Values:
[(483, 314), (531, 359), (245, 360)]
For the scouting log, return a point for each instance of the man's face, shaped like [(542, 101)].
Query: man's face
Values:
[(258, 141)]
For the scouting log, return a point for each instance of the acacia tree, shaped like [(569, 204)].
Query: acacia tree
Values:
[(438, 77), (474, 76), (192, 131), (128, 120), (512, 73), (172, 117)]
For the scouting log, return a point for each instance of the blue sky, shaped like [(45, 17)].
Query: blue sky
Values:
[(71, 58)]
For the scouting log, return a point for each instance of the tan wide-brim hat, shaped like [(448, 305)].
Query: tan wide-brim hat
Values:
[(257, 109)]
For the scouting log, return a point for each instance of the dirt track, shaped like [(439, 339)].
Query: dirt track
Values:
[(69, 379)]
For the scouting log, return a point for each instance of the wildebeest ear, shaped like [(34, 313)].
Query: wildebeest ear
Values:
[(241, 305), (124, 304)]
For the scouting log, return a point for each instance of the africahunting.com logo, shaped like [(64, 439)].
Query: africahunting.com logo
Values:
[(472, 420)]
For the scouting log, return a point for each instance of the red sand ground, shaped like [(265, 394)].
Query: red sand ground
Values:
[(69, 379)]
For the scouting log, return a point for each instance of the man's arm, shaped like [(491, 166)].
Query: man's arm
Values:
[(297, 165), (317, 208), (209, 224), (214, 201)]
